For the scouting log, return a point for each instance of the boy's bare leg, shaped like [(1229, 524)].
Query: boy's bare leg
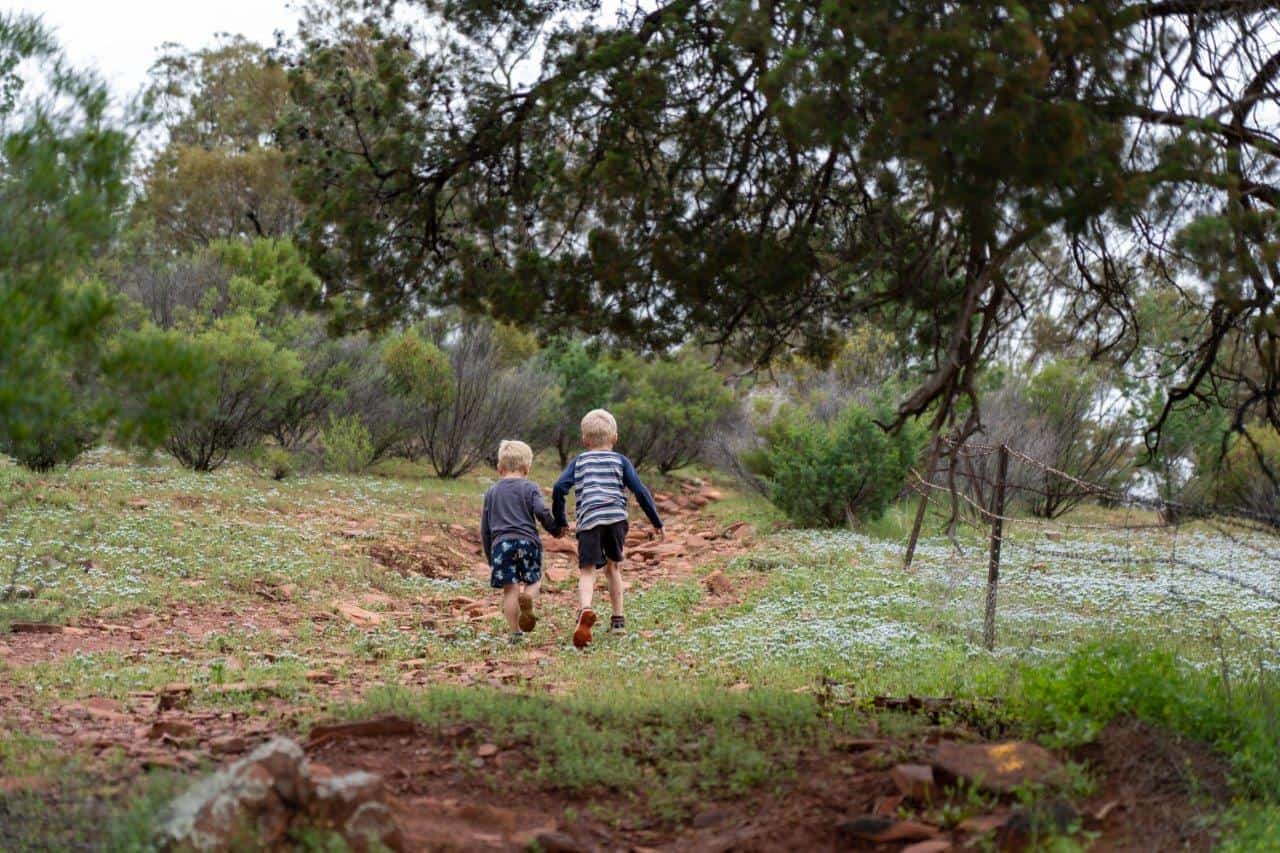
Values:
[(586, 587), (511, 606), (613, 572), (587, 616), (528, 593)]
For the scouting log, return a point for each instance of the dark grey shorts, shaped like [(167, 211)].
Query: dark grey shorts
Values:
[(602, 544)]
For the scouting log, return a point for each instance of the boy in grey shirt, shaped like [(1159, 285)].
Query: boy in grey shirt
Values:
[(513, 506)]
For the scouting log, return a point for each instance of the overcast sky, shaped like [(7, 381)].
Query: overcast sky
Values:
[(121, 38)]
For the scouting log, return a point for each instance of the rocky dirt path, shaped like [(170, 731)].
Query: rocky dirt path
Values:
[(173, 726)]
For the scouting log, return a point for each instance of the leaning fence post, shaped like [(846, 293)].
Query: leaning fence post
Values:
[(924, 503), (997, 536)]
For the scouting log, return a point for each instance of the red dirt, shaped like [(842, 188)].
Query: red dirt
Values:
[(439, 550), (1158, 789)]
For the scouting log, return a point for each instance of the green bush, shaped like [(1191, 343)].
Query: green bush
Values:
[(828, 474), (668, 409), (348, 447), (249, 380), (586, 382), (1247, 478), (277, 462)]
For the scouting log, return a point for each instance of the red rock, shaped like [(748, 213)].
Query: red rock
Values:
[(915, 781), (357, 615), (173, 728), (940, 845), (106, 710), (983, 823), (228, 745), (717, 583), (883, 830), (564, 545), (887, 806), (35, 628), (377, 727), (998, 767)]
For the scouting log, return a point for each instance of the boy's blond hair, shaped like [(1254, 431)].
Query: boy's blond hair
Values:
[(599, 429), (514, 456)]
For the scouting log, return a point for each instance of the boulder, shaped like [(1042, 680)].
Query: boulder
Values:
[(884, 830), (998, 767), (255, 800), (915, 781)]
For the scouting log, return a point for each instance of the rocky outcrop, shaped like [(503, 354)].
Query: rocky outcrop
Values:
[(256, 800)]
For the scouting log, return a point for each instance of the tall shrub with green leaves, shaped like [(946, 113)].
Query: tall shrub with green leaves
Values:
[(1248, 478), (248, 381), (829, 474), (667, 408), (586, 382), (63, 164)]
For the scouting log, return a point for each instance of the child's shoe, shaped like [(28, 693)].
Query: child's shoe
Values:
[(586, 619), (618, 625), (527, 619), (516, 638)]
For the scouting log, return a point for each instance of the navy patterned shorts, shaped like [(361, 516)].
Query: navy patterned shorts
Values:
[(515, 561)]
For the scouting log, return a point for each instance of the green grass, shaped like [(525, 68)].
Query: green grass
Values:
[(668, 746)]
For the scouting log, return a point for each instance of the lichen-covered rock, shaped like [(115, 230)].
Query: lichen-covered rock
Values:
[(255, 800)]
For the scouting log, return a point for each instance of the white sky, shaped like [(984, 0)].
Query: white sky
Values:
[(121, 38)]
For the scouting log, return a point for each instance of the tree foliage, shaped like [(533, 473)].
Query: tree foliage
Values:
[(63, 165), (218, 175), (586, 382), (767, 175)]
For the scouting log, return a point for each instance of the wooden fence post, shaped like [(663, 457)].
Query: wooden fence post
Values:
[(924, 504), (997, 537)]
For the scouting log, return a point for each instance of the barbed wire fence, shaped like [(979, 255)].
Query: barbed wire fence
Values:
[(979, 487)]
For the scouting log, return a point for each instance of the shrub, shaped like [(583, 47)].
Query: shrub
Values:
[(327, 371), (249, 379), (826, 475), (348, 447), (1249, 476), (586, 382), (668, 409), (1085, 435), (497, 392), (277, 463)]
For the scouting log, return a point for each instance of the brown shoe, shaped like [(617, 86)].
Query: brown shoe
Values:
[(582, 635), (527, 619)]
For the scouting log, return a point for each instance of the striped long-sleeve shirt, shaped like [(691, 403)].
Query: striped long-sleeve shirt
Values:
[(599, 479)]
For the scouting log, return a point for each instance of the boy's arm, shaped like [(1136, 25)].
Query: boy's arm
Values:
[(486, 534), (632, 481), (538, 508), (558, 492)]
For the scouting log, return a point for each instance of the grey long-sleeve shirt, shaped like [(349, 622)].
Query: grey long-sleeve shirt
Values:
[(512, 508)]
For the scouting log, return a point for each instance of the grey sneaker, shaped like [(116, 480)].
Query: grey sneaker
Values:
[(618, 625), (516, 638)]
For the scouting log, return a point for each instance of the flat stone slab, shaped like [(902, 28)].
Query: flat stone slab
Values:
[(998, 767)]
